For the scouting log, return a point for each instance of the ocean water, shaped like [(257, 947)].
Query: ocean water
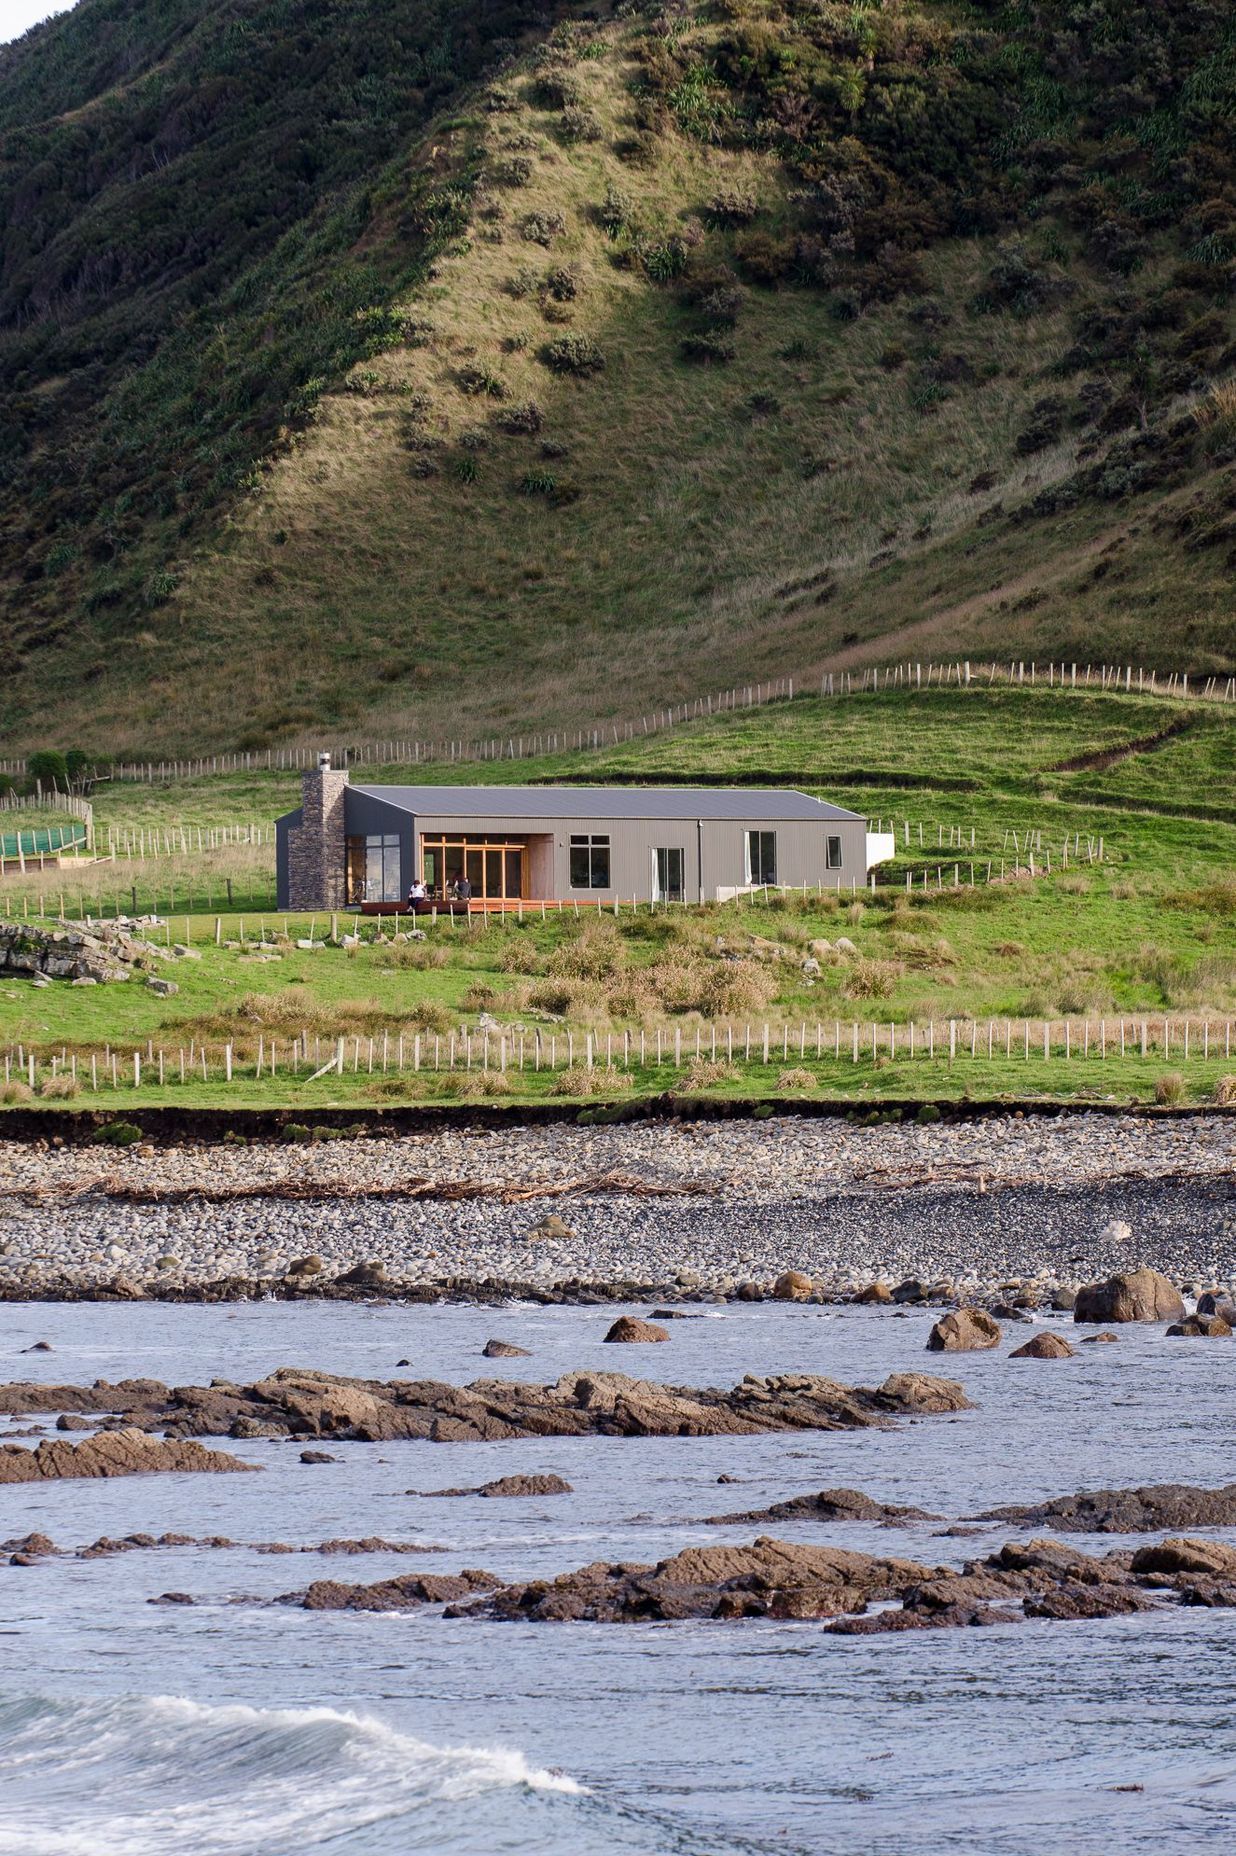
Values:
[(247, 1729)]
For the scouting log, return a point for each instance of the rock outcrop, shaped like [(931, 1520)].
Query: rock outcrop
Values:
[(964, 1330), (1130, 1295), (1202, 1327), (828, 1505), (104, 952), (778, 1579), (408, 1593), (1125, 1511), (125, 1452), (299, 1402)]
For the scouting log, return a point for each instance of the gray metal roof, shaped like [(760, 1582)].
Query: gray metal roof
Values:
[(755, 805)]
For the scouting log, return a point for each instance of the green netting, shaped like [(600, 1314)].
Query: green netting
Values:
[(42, 839)]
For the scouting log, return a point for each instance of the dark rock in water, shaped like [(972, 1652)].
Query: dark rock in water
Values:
[(316, 1406), (1202, 1327), (1099, 1340), (1130, 1295), (912, 1290), (40, 1346), (673, 1314), (1008, 1311), (111, 1453), (876, 1294), (778, 1579), (1217, 1302), (403, 1594), (317, 1456), (729, 1478), (172, 1598), (829, 1505), (502, 1350), (509, 1486), (631, 1328), (1126, 1511), (966, 1330), (1044, 1347), (750, 1292), (69, 1421), (1064, 1301), (399, 1363)]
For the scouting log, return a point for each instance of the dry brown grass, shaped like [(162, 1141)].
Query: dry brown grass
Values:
[(579, 1080), (1225, 1092), (13, 1093), (706, 1074), (1169, 1089), (475, 1084), (871, 979), (59, 1088), (796, 1079)]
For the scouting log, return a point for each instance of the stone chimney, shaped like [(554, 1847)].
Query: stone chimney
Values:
[(317, 849)]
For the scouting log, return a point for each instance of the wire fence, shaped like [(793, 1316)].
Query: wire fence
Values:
[(962, 674), (519, 1051)]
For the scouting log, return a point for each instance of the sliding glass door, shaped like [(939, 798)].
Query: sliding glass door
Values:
[(669, 873)]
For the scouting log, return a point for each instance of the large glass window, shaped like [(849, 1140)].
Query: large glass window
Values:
[(668, 873), (589, 863), (494, 867), (834, 853), (761, 857), (374, 869)]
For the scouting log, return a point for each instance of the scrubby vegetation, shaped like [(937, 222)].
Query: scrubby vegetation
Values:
[(925, 307)]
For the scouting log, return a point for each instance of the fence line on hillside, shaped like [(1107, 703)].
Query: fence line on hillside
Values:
[(517, 1050), (962, 674)]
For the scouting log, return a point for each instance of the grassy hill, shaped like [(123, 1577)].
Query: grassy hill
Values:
[(446, 369)]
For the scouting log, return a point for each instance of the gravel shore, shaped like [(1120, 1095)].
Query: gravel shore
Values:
[(978, 1203)]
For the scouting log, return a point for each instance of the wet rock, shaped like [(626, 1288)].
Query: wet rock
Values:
[(629, 1328), (172, 1598), (1211, 1557), (1217, 1302), (912, 1290), (965, 1330), (1202, 1327), (305, 1266), (1044, 1347), (508, 1486), (1130, 1295), (40, 1346), (111, 1453), (501, 1350), (1099, 1340), (829, 1505), (408, 1593), (792, 1286), (70, 1421), (922, 1393), (876, 1294), (1064, 1301), (1126, 1511), (317, 1456)]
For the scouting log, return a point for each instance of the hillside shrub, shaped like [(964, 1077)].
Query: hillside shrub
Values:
[(117, 1134), (578, 124), (480, 381), (48, 768), (521, 420), (515, 171), (542, 228), (574, 354), (562, 284), (708, 347), (616, 212), (732, 206)]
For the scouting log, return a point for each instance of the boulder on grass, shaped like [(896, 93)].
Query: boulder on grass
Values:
[(1044, 1347), (1130, 1295), (964, 1330), (631, 1328)]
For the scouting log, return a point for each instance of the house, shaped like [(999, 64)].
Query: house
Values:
[(364, 846)]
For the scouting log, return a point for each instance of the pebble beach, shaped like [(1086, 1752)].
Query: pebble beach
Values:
[(679, 1208)]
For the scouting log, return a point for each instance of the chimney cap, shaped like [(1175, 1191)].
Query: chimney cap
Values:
[(324, 759)]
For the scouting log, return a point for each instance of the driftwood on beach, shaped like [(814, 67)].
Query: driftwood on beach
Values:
[(447, 1191)]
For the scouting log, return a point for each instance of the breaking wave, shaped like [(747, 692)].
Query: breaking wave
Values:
[(164, 1776)]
